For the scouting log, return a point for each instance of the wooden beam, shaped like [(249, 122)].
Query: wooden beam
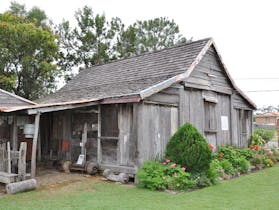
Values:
[(99, 149), (34, 145), (53, 108)]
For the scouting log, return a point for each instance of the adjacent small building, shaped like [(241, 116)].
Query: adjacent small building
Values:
[(268, 120), (123, 113)]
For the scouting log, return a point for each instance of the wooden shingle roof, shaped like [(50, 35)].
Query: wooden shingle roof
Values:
[(139, 76), (129, 76), (8, 99)]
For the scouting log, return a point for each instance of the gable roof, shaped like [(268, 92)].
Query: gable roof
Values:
[(139, 76), (129, 76), (8, 100)]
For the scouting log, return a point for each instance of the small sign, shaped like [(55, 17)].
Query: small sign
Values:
[(80, 160), (224, 123)]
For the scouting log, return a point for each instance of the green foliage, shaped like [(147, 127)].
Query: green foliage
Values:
[(244, 165), (247, 153), (256, 139), (229, 153), (214, 171), (157, 176), (91, 42), (188, 147), (97, 40), (266, 134), (28, 53), (151, 176), (149, 35), (227, 166)]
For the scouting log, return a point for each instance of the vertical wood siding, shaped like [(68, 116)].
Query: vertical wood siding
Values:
[(156, 124)]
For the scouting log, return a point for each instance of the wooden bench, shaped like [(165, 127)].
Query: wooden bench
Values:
[(7, 178)]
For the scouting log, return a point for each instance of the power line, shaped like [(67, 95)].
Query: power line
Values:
[(255, 78), (260, 91)]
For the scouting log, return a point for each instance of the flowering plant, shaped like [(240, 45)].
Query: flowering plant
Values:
[(166, 175)]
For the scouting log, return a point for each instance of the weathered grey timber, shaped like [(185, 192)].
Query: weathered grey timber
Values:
[(133, 106), (8, 99), (22, 186)]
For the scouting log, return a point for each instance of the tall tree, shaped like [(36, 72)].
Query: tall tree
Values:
[(27, 55), (96, 40), (91, 42), (148, 36)]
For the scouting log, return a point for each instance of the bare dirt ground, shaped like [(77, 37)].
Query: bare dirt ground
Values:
[(51, 179)]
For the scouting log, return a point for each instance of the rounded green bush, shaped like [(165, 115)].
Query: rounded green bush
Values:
[(188, 148)]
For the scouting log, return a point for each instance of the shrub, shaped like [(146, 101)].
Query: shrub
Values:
[(154, 175), (202, 180), (227, 166), (214, 171), (151, 176), (266, 135), (246, 153), (188, 147), (255, 139), (244, 165), (229, 153), (257, 159)]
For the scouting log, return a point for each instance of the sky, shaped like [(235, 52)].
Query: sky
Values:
[(246, 32)]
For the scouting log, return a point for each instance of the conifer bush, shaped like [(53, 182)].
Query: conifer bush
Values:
[(188, 147)]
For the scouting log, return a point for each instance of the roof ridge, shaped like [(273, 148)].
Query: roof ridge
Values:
[(148, 53)]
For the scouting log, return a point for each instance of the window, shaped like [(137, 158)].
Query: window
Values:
[(210, 116)]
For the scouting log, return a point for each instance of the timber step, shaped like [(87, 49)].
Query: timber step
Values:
[(7, 177)]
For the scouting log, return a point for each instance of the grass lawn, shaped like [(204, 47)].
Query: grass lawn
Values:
[(254, 191)]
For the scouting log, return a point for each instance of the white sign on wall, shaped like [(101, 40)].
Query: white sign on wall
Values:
[(224, 123)]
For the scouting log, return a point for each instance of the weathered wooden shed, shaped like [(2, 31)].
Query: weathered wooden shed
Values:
[(11, 123), (130, 108)]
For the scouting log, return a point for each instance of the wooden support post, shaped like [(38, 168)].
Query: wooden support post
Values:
[(9, 165), (99, 149), (14, 134), (22, 161), (39, 147), (84, 140), (34, 145)]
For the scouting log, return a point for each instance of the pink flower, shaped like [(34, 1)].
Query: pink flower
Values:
[(173, 165), (164, 163), (183, 168), (167, 160), (211, 146), (270, 152)]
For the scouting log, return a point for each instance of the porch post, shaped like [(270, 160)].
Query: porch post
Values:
[(14, 133), (99, 149), (34, 145)]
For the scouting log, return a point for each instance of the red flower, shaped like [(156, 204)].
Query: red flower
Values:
[(256, 147)]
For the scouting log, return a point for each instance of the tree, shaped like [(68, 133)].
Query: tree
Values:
[(27, 55), (148, 36), (91, 42), (267, 109), (96, 40)]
